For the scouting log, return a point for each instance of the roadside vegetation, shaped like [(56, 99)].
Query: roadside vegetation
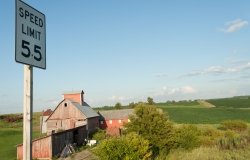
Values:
[(154, 136)]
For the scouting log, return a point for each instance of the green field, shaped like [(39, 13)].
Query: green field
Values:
[(235, 108), (197, 115), (11, 135)]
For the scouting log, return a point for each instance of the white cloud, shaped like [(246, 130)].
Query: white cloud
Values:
[(178, 90), (218, 70), (234, 25), (118, 98), (188, 90)]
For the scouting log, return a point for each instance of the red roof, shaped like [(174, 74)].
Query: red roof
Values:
[(47, 112)]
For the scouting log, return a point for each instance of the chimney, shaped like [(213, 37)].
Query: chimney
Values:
[(75, 96)]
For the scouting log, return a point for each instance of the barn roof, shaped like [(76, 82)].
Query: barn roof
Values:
[(116, 114), (85, 109), (48, 112)]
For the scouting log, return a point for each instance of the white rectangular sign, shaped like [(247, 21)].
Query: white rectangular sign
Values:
[(30, 36)]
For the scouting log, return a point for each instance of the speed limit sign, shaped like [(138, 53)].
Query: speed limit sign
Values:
[(30, 36)]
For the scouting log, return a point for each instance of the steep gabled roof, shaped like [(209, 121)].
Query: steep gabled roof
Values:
[(85, 109), (116, 114)]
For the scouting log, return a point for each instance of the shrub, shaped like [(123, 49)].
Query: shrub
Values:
[(129, 147), (232, 140), (209, 136), (186, 137), (236, 125), (99, 135)]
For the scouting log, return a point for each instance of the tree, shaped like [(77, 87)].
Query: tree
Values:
[(132, 105), (150, 101), (130, 147), (118, 105), (152, 124)]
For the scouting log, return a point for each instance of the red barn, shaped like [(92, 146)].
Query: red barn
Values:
[(113, 120)]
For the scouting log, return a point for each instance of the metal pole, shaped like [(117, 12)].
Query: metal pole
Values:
[(27, 112)]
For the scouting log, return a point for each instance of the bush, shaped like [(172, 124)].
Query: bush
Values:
[(236, 125), (129, 147), (210, 136), (100, 135), (232, 140), (186, 137)]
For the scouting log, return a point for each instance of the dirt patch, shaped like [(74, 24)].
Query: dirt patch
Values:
[(206, 104)]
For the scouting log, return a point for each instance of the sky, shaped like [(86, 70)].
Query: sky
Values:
[(126, 51)]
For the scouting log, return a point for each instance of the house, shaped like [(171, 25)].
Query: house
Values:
[(113, 120), (45, 115), (72, 112)]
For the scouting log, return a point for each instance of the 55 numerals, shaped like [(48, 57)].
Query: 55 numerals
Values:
[(27, 53)]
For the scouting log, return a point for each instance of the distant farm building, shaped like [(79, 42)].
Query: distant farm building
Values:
[(45, 115), (113, 120)]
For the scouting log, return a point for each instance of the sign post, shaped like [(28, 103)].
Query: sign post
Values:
[(30, 49), (27, 112)]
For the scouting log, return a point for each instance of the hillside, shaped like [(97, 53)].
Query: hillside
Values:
[(233, 102)]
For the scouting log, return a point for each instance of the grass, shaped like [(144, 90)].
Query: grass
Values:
[(198, 115), (210, 153), (9, 138), (11, 134)]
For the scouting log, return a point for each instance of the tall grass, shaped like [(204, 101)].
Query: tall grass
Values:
[(209, 153)]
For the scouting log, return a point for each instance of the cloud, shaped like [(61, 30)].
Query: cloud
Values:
[(118, 98), (234, 25), (178, 90), (219, 70)]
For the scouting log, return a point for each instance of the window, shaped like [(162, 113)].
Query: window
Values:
[(65, 104), (120, 121), (101, 122), (110, 121)]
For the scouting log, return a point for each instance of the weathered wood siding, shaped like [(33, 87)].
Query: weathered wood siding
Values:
[(93, 124), (64, 117), (47, 147), (41, 148)]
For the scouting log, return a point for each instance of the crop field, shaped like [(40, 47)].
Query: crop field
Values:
[(196, 115)]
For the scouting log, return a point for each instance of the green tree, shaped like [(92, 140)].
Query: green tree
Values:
[(128, 147), (118, 105), (150, 101), (153, 124), (132, 105)]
